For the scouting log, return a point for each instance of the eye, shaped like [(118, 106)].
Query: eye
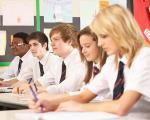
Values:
[(103, 36)]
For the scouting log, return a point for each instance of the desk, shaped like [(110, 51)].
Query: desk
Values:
[(29, 115), (14, 101)]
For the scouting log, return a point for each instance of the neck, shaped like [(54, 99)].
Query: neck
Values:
[(67, 52), (41, 55), (97, 60)]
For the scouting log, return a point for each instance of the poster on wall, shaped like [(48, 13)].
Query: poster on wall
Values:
[(2, 43), (88, 10), (0, 20), (16, 13), (57, 11)]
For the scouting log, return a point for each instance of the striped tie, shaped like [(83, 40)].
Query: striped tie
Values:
[(95, 71), (119, 84)]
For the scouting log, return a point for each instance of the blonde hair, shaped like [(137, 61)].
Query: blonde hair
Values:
[(118, 23)]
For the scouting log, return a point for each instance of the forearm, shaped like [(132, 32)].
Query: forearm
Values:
[(10, 82), (111, 107)]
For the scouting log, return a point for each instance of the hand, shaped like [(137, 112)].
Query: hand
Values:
[(70, 106), (21, 89), (42, 105), (4, 84), (41, 90)]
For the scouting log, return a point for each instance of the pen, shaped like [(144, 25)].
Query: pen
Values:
[(33, 93), (35, 97), (36, 89)]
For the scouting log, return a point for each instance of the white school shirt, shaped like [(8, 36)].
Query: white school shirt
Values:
[(12, 70), (75, 73), (137, 78), (104, 95), (33, 70)]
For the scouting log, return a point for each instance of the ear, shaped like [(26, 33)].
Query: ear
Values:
[(69, 42), (45, 45)]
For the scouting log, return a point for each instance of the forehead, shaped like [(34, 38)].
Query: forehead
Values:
[(56, 35), (34, 41), (17, 40), (86, 39)]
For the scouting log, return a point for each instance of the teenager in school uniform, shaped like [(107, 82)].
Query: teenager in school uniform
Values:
[(126, 72), (42, 62), (70, 74), (20, 49), (94, 57)]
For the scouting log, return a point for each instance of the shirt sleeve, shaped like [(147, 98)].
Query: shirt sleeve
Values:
[(47, 79), (11, 71), (73, 81), (26, 74), (139, 78), (99, 83)]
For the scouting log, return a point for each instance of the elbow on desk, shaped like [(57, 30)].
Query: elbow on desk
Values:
[(121, 111)]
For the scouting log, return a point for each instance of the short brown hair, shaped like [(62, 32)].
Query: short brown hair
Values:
[(67, 31)]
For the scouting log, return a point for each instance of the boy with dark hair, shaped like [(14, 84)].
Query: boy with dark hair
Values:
[(20, 49)]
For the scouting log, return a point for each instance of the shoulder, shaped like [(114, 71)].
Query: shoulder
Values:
[(143, 55)]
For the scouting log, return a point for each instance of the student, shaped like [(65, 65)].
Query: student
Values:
[(20, 49), (94, 57), (120, 36), (42, 62), (70, 75)]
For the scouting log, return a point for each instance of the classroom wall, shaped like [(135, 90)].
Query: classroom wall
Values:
[(82, 13)]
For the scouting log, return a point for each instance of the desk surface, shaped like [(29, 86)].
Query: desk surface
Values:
[(29, 115), (14, 100)]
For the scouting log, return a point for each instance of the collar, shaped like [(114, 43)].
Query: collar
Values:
[(96, 65), (123, 59), (26, 55), (44, 60), (71, 56)]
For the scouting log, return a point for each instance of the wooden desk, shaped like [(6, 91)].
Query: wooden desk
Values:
[(9, 101)]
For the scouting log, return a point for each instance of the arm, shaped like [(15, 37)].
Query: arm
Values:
[(51, 102), (11, 71), (119, 107), (73, 81), (8, 83)]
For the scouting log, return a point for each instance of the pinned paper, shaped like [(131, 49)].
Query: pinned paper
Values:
[(2, 42)]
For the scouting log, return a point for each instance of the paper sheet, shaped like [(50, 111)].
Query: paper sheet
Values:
[(16, 12), (57, 10), (65, 116), (2, 42)]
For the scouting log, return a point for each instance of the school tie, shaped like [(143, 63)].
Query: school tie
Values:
[(119, 84), (95, 71), (63, 72), (41, 69), (19, 66)]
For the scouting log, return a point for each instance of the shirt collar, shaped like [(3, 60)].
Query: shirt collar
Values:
[(123, 59), (26, 56), (96, 65), (69, 58), (44, 60)]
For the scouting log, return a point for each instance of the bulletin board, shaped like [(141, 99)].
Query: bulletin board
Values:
[(41, 15)]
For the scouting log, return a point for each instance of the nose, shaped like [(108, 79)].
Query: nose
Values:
[(52, 43), (100, 42), (31, 47), (83, 50)]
